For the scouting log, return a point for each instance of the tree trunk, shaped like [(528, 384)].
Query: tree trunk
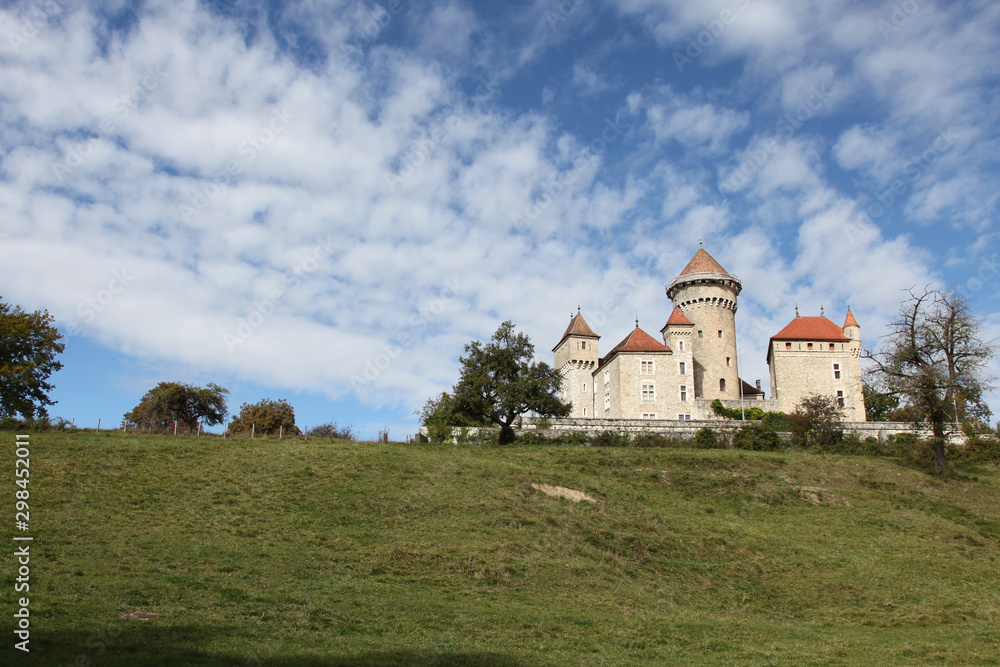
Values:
[(506, 434), (938, 446)]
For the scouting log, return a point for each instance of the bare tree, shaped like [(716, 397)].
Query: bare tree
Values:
[(934, 356)]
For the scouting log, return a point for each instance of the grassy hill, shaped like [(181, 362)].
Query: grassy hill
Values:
[(311, 553)]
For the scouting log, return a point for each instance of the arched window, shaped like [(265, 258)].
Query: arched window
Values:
[(722, 384)]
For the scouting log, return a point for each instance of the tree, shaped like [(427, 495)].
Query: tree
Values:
[(816, 421), (439, 415), (933, 356), (878, 405), (267, 417), (173, 401), (499, 383), (28, 348)]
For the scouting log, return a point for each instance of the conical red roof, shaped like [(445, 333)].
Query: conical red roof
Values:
[(702, 262), (850, 321), (677, 318), (579, 327)]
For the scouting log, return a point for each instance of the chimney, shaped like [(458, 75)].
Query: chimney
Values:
[(758, 385)]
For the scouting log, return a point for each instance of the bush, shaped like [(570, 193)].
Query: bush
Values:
[(332, 431), (757, 437), (776, 421), (266, 417), (978, 448), (706, 438), (610, 439)]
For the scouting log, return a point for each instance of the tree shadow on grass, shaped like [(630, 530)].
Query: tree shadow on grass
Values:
[(141, 644)]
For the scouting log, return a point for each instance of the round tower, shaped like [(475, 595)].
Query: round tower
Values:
[(706, 294)]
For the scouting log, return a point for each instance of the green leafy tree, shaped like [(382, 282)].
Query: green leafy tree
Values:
[(816, 421), (879, 405), (174, 401), (29, 344), (439, 415), (265, 417), (933, 356), (499, 382)]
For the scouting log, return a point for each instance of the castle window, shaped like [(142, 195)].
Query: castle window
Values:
[(722, 384), (681, 368), (649, 415), (720, 333), (585, 387), (727, 362), (585, 412), (684, 393), (788, 346), (809, 346), (607, 400), (836, 371), (607, 376), (840, 399), (646, 368), (684, 418), (680, 345), (701, 334), (648, 393), (831, 346)]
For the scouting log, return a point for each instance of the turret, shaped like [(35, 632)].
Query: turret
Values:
[(706, 295), (576, 357)]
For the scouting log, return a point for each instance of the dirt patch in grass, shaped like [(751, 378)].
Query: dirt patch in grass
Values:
[(563, 492)]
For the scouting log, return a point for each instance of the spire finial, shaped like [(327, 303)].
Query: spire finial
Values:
[(700, 244), (637, 319), (796, 311), (821, 312), (578, 309)]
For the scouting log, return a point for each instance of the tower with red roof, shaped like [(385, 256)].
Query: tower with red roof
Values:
[(576, 356), (812, 355), (706, 295)]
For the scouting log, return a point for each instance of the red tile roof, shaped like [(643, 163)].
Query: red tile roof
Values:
[(812, 328), (702, 262), (579, 327), (679, 318), (850, 321), (637, 341)]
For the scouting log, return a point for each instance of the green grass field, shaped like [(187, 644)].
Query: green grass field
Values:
[(310, 553)]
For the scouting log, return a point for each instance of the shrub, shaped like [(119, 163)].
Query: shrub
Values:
[(266, 417), (610, 439), (978, 448), (332, 431), (816, 422), (776, 421), (757, 437), (706, 438), (543, 423)]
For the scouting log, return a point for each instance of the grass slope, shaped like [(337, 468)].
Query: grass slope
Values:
[(310, 553)]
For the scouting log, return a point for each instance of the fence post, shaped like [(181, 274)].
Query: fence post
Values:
[(281, 430), (98, 424), (175, 427), (253, 427)]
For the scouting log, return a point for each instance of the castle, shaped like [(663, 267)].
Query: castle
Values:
[(642, 378)]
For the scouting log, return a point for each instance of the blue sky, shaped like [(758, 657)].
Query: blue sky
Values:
[(324, 202)]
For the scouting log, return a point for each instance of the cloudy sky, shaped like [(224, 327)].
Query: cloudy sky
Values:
[(324, 201)]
